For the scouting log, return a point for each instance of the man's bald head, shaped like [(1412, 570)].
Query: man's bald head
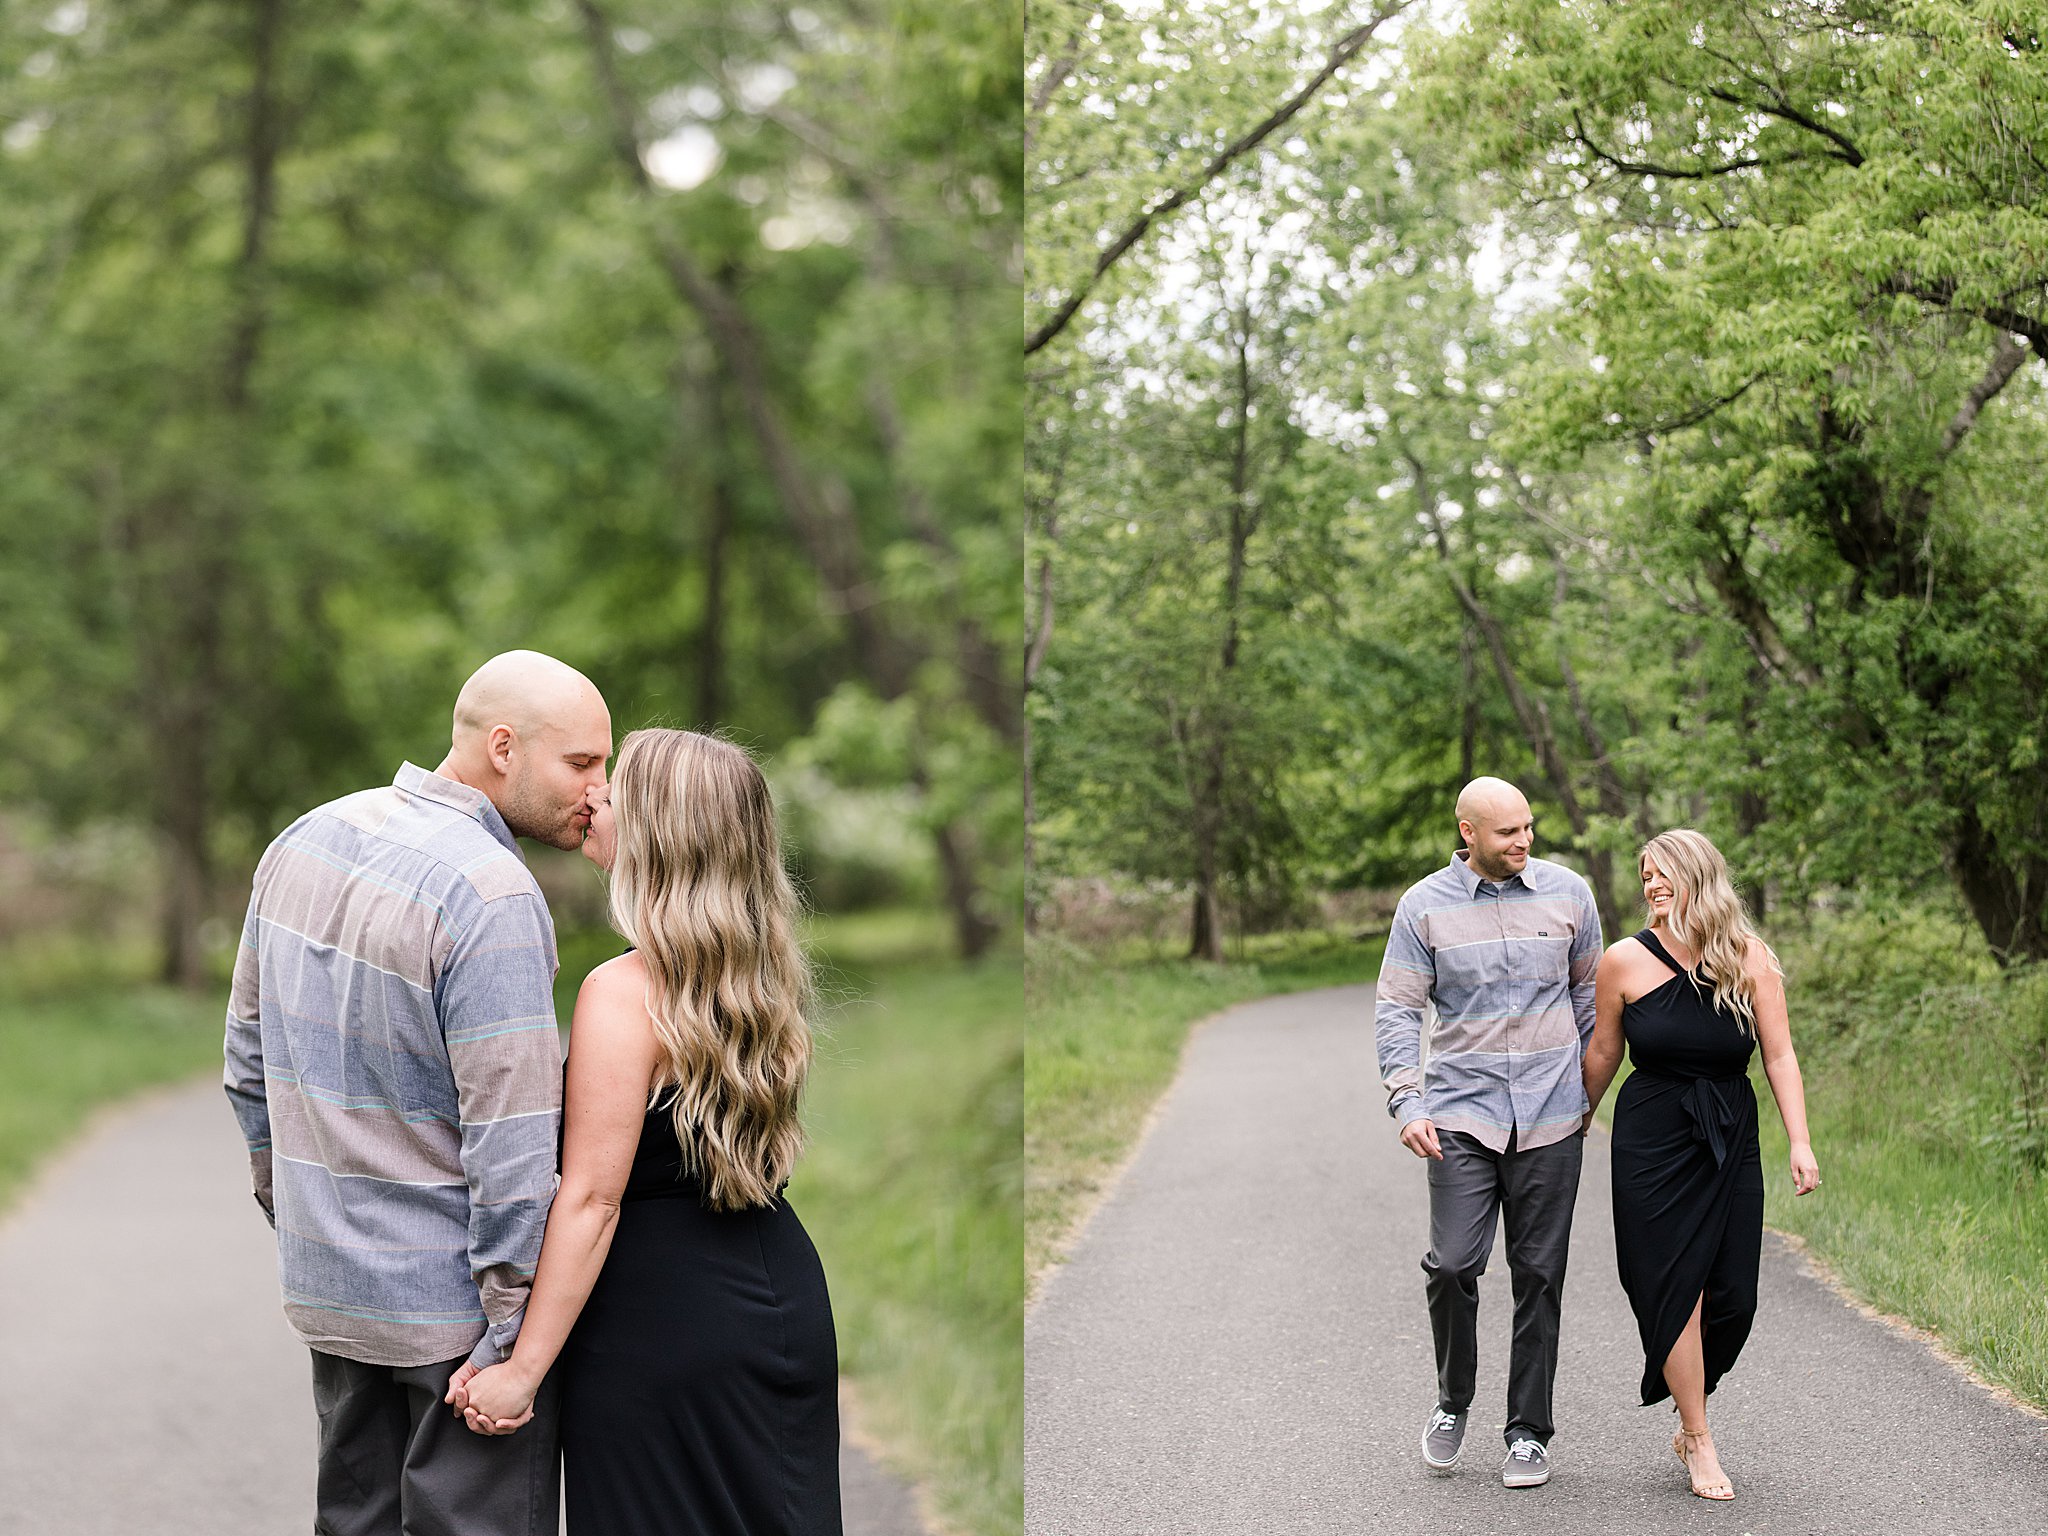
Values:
[(534, 735), (1494, 821), (525, 690)]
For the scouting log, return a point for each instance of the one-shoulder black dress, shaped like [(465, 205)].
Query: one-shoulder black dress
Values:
[(700, 1384), (1688, 1178)]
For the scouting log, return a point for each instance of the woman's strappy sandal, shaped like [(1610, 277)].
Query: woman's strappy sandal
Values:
[(1720, 1492)]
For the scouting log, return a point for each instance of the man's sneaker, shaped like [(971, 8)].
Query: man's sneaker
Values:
[(1443, 1438), (1527, 1466)]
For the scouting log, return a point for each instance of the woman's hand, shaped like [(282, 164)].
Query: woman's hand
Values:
[(498, 1399), (1805, 1171)]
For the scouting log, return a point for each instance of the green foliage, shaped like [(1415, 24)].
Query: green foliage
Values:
[(1656, 429), (337, 358), (1926, 1071)]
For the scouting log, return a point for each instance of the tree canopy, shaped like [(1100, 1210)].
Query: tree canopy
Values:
[(1658, 391)]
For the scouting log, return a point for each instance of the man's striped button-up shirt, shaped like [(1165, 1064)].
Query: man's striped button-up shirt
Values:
[(1508, 970), (393, 1059)]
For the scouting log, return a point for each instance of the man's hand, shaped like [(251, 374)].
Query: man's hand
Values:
[(1586, 1125), (458, 1386), (1419, 1137)]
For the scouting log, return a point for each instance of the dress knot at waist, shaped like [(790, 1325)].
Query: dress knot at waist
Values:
[(1717, 1107)]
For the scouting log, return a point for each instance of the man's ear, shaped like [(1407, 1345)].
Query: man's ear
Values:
[(498, 747)]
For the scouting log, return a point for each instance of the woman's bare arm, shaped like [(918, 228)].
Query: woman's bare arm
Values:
[(1603, 1051), (1781, 1067), (611, 1063)]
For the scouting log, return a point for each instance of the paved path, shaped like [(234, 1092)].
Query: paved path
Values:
[(149, 1385), (1238, 1345)]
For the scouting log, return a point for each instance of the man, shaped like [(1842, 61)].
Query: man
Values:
[(393, 1059), (1504, 946)]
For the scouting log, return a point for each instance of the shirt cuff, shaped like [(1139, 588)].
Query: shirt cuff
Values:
[(495, 1347), (1407, 1108)]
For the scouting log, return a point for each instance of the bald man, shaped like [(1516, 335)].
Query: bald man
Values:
[(1503, 948), (393, 1060)]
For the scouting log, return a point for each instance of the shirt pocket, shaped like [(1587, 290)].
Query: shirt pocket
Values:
[(1545, 952)]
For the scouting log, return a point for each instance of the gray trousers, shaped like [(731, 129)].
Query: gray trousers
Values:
[(396, 1461), (1534, 1193)]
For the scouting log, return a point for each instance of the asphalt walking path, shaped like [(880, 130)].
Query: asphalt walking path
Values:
[(1238, 1344), (149, 1385)]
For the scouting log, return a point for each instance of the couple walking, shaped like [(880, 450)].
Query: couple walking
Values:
[(1531, 1018), (393, 1058)]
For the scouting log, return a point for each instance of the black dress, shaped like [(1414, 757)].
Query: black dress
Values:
[(700, 1384), (1688, 1179)]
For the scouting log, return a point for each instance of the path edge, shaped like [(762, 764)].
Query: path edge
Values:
[(1830, 1278)]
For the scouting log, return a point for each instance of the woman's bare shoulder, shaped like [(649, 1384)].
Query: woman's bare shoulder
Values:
[(619, 985), (1623, 953), (1757, 958)]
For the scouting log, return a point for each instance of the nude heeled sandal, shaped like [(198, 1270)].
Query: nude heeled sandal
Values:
[(1719, 1492)]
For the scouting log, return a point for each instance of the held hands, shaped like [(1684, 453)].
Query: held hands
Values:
[(1419, 1137), (493, 1401), (1805, 1171)]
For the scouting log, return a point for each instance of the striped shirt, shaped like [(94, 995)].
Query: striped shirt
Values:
[(1508, 969), (393, 1059)]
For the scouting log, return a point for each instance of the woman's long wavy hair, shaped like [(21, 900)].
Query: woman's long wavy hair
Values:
[(699, 889), (1708, 918)]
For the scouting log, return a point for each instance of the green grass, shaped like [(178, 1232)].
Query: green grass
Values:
[(79, 1028), (911, 1189), (1926, 1074), (1102, 1042), (911, 1186)]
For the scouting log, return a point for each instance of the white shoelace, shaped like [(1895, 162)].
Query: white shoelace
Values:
[(1525, 1450), (1443, 1421)]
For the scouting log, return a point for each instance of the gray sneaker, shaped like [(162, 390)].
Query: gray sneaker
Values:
[(1527, 1465), (1443, 1438)]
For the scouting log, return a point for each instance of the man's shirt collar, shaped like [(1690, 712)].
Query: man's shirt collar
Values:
[(473, 803), (1471, 879)]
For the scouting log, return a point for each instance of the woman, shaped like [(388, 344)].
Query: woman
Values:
[(1694, 994), (699, 1387)]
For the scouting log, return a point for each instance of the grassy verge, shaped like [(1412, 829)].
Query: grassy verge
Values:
[(1102, 1042), (75, 1036), (910, 1189), (1926, 1075)]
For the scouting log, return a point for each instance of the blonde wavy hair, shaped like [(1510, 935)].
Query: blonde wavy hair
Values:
[(1708, 918), (699, 889)]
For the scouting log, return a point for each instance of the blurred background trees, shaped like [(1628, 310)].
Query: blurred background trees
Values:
[(341, 347)]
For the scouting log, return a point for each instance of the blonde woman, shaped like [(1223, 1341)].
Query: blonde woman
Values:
[(1694, 994), (699, 1386)]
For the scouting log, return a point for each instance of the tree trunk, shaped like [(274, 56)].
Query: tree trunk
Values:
[(188, 563), (1205, 937), (709, 657), (972, 932), (1205, 931), (1468, 711), (2004, 891), (1034, 658)]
